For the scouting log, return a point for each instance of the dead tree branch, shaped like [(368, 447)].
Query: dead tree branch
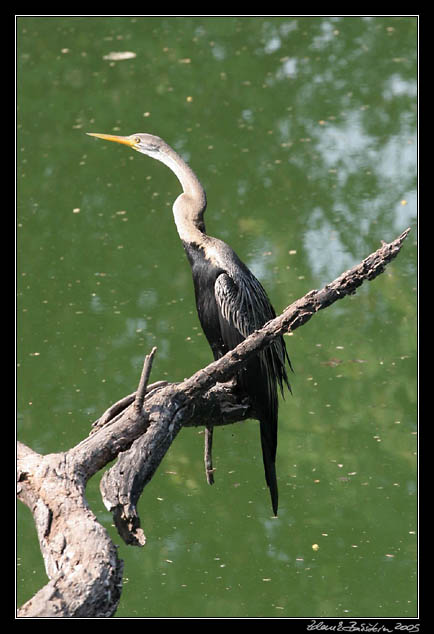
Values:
[(85, 574)]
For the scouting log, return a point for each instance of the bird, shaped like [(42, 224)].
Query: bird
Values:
[(231, 303)]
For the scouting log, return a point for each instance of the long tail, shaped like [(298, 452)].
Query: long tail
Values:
[(268, 443)]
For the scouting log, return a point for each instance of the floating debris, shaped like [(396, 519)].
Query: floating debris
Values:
[(118, 56), (333, 362)]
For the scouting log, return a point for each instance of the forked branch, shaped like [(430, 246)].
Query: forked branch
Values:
[(85, 574)]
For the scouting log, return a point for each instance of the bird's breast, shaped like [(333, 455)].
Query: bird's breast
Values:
[(206, 268), (212, 255)]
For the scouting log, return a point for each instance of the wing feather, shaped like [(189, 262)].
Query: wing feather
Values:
[(244, 307)]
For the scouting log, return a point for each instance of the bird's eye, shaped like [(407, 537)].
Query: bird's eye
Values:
[(137, 139)]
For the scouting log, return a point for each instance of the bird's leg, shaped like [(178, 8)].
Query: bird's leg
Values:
[(209, 471)]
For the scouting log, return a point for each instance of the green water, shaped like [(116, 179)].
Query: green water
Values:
[(303, 133)]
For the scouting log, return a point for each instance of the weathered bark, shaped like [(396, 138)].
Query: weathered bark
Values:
[(80, 559)]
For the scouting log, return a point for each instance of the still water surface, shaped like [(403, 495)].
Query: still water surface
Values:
[(303, 133)]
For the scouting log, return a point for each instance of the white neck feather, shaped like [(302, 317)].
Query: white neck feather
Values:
[(189, 207)]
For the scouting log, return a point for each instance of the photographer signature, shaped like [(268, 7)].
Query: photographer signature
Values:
[(355, 626)]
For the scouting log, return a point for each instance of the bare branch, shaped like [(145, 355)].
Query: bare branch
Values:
[(143, 384), (294, 316), (80, 559)]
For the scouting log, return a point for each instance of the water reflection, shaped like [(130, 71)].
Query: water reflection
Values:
[(326, 253)]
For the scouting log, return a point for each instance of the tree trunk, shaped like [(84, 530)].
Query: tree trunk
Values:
[(84, 571)]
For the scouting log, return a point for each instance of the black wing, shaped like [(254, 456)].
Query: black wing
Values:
[(244, 307)]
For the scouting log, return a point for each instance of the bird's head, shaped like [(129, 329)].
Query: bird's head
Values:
[(141, 142), (158, 149)]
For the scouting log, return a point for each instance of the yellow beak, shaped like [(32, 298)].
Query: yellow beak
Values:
[(126, 140)]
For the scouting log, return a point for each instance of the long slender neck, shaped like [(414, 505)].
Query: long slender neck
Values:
[(189, 207)]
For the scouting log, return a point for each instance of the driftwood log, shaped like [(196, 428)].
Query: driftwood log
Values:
[(84, 571)]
